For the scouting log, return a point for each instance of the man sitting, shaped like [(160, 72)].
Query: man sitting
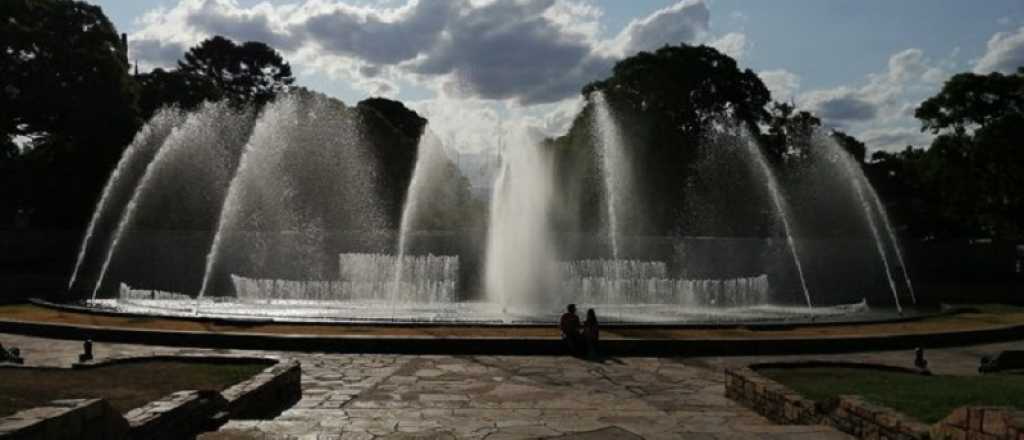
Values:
[(570, 327)]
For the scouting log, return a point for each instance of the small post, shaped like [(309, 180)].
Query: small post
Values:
[(86, 355)]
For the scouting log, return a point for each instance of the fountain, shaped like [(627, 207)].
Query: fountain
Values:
[(613, 167), (298, 230), (129, 170), (860, 184), (780, 205), (201, 151), (430, 160)]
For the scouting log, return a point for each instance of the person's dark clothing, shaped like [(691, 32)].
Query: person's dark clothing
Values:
[(591, 334), (570, 327)]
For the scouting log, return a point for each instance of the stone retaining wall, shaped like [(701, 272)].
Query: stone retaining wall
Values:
[(86, 419), (182, 414), (266, 394), (850, 414), (981, 423)]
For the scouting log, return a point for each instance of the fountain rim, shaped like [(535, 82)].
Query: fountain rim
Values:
[(887, 316)]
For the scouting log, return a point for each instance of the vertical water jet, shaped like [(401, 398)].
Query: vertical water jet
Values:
[(207, 138), (520, 268), (613, 167), (893, 240), (780, 205), (858, 181), (429, 162), (129, 169)]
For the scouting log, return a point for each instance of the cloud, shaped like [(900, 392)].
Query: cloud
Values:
[(908, 76), (733, 44), (895, 138), (841, 105), (1004, 53), (529, 51), (157, 53), (686, 21), (782, 83)]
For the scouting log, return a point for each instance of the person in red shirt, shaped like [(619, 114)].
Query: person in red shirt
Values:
[(570, 327)]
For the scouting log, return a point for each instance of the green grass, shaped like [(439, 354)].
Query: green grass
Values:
[(927, 398), (125, 386)]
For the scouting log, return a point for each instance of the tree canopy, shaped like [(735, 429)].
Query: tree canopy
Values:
[(969, 101), (67, 105), (247, 72)]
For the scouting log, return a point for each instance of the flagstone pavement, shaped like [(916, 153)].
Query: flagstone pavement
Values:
[(371, 396)]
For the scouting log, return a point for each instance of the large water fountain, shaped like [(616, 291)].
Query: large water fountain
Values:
[(295, 229)]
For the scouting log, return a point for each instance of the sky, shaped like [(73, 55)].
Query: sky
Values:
[(477, 68)]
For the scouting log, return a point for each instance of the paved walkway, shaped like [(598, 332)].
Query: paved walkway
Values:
[(510, 397)]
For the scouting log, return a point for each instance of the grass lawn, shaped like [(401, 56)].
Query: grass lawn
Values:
[(927, 398), (125, 386)]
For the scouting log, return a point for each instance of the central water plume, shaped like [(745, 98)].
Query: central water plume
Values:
[(614, 167), (780, 205), (129, 170), (520, 260), (193, 163)]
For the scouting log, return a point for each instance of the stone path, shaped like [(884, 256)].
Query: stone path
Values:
[(352, 396), (495, 397)]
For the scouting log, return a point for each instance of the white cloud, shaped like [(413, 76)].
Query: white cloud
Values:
[(1004, 53), (683, 22), (895, 138), (733, 44), (530, 51), (908, 76), (782, 83), (487, 63)]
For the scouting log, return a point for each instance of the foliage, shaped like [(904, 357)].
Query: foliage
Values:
[(969, 100), (667, 102), (970, 182), (67, 99), (161, 88), (251, 72)]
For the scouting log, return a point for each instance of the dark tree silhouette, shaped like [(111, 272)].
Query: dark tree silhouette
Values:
[(249, 72), (666, 102), (969, 101), (161, 88), (66, 97)]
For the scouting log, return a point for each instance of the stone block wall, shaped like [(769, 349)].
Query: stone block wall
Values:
[(850, 414), (85, 419), (266, 394), (181, 414), (855, 416), (769, 398), (981, 423)]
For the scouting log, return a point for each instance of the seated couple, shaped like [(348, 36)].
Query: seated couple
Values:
[(580, 339)]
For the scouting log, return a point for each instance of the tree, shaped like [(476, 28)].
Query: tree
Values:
[(66, 100), (789, 132), (161, 88), (250, 72), (972, 174), (690, 86), (667, 102), (969, 101)]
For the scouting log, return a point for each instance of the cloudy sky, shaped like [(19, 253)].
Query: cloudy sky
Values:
[(477, 67)]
